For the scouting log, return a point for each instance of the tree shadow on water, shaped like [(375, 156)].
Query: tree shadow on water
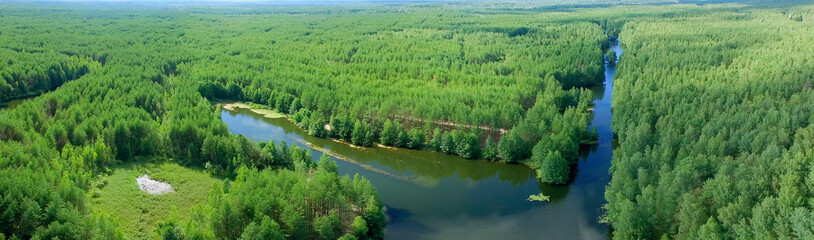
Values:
[(401, 225)]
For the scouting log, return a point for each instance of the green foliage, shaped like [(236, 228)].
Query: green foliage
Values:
[(285, 204), (553, 168), (439, 72), (326, 164), (466, 144), (437, 137), (27, 74), (266, 229), (341, 127), (375, 218), (415, 139), (139, 213), (402, 139), (447, 143), (481, 72), (712, 110), (510, 146), (540, 197), (490, 150), (328, 227), (389, 133), (611, 56), (169, 230), (713, 115), (359, 228), (123, 92), (362, 134)]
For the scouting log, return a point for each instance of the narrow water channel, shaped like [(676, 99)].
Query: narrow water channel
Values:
[(13, 103), (431, 195)]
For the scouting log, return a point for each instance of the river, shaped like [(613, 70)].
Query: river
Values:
[(430, 195), (13, 103)]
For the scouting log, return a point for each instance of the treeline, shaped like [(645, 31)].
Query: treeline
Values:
[(553, 128), (448, 82), (425, 67), (714, 120), (133, 109), (306, 202)]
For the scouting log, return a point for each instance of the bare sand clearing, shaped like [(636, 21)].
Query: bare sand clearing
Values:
[(152, 186)]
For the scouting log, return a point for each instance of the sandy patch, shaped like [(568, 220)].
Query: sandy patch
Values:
[(386, 147), (254, 108), (152, 186)]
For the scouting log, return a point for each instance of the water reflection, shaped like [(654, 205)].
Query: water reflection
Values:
[(416, 164), (431, 195)]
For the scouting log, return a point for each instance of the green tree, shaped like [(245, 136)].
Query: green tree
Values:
[(467, 145), (169, 230), (416, 139), (711, 230), (490, 150), (402, 140), (228, 222), (294, 224), (611, 56), (509, 147), (375, 218), (360, 134), (295, 106), (447, 144), (389, 133), (267, 229), (437, 139), (359, 228), (326, 164), (554, 169)]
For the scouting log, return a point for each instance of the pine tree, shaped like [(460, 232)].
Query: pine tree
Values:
[(554, 169), (389, 132)]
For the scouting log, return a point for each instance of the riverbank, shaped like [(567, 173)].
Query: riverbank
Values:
[(432, 195), (21, 97), (10, 104), (272, 114), (256, 108)]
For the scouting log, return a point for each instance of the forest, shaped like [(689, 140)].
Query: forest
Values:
[(434, 80), (714, 120), (116, 101), (713, 110)]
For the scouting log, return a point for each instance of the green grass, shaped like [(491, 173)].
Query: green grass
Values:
[(138, 212)]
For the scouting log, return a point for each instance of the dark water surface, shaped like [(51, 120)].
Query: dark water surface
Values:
[(431, 195), (14, 103)]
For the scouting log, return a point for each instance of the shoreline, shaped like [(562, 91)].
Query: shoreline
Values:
[(271, 114), (265, 112)]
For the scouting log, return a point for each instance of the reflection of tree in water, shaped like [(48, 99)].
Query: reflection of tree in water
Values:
[(556, 193), (586, 150), (516, 177), (422, 187), (423, 165), (428, 182), (406, 225)]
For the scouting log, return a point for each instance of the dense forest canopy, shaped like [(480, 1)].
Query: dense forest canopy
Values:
[(420, 78), (119, 103), (713, 109), (132, 85), (714, 118)]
